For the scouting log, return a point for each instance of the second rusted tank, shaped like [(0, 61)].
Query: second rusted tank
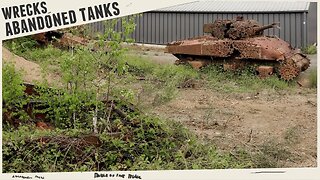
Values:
[(238, 43)]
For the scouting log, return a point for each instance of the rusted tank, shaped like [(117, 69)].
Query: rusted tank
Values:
[(65, 40), (60, 39), (238, 43)]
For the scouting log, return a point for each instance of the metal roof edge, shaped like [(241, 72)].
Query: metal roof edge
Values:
[(308, 6), (230, 12), (306, 9)]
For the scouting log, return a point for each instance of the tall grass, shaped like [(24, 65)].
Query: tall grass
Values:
[(241, 81), (313, 78)]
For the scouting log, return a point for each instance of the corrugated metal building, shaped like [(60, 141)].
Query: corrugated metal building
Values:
[(185, 21)]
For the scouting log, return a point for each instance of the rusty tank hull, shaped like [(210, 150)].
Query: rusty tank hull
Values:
[(238, 43), (60, 39)]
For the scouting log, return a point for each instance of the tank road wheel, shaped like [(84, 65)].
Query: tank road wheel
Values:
[(199, 63), (264, 71), (288, 71), (182, 60), (195, 63)]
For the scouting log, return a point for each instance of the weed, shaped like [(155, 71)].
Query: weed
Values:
[(313, 78), (241, 81), (166, 94), (139, 66), (271, 155), (175, 74), (292, 136), (311, 49)]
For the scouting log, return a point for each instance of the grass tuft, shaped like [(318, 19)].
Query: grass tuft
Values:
[(311, 49)]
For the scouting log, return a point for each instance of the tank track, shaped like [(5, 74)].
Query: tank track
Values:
[(287, 69)]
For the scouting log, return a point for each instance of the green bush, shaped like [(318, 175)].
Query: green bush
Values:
[(13, 97), (12, 87), (311, 49)]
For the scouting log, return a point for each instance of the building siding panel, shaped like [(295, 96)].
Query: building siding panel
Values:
[(286, 28), (298, 30), (293, 28), (164, 27)]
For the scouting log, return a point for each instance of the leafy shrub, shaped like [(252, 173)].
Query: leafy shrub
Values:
[(12, 87), (311, 49), (12, 95)]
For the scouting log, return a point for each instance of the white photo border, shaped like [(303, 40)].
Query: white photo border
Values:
[(225, 174)]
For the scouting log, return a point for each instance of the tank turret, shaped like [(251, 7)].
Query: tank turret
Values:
[(236, 29)]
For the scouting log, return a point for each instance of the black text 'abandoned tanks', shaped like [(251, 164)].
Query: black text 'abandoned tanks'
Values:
[(238, 43)]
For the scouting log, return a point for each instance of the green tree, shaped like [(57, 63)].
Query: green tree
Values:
[(108, 52), (90, 72)]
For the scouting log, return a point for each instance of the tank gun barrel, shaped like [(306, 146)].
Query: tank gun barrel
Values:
[(261, 29)]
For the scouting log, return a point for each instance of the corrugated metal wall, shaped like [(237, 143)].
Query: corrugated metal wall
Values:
[(165, 27), (312, 23)]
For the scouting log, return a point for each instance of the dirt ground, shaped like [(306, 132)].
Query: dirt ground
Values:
[(31, 71), (234, 120), (247, 120), (238, 120)]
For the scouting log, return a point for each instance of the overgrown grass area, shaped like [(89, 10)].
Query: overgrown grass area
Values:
[(153, 145), (126, 138), (212, 76), (163, 80), (170, 76), (134, 141), (29, 49), (160, 82), (242, 81)]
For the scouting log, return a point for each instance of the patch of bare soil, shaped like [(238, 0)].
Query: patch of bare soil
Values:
[(239, 120), (31, 71)]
